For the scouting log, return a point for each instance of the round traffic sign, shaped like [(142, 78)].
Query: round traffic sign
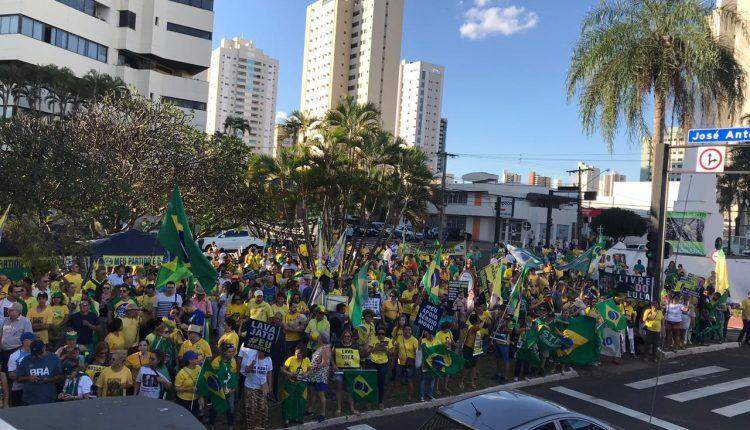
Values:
[(710, 159), (715, 256)]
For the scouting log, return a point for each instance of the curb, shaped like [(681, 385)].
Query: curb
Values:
[(396, 410), (699, 350)]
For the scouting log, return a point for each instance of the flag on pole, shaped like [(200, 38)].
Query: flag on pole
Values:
[(177, 238), (336, 254), (3, 219), (584, 346), (514, 299), (722, 274), (362, 385), (173, 271), (431, 278), (440, 361), (359, 296), (525, 257), (613, 317)]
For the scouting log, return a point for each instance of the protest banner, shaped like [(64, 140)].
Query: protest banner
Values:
[(260, 335), (333, 301), (132, 260), (428, 317), (455, 288), (610, 342), (346, 358), (636, 287), (373, 303)]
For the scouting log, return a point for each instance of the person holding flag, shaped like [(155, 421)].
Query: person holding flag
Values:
[(378, 350), (477, 328), (346, 356)]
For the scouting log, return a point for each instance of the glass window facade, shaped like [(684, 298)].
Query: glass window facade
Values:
[(190, 31), (203, 4)]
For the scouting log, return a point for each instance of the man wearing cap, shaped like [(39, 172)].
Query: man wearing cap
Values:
[(258, 309), (13, 327), (195, 343), (71, 350), (16, 389), (39, 372), (186, 381), (131, 323)]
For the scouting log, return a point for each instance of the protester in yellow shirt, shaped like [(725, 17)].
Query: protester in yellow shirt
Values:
[(131, 325), (230, 334), (74, 277), (379, 348), (279, 306), (294, 324), (257, 309), (745, 307), (407, 298), (296, 369), (115, 338), (40, 317), (195, 343), (139, 358), (116, 379), (405, 347), (236, 308), (652, 318), (186, 382), (391, 309)]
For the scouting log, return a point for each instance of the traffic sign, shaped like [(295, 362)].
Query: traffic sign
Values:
[(715, 256), (711, 159), (712, 135)]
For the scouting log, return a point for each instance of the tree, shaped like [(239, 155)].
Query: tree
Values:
[(633, 53), (618, 222), (12, 77), (236, 126), (299, 126), (734, 190)]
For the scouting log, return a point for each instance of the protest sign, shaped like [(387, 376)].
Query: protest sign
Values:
[(428, 317), (333, 301), (610, 342), (373, 303), (260, 335), (636, 287), (346, 358), (456, 288)]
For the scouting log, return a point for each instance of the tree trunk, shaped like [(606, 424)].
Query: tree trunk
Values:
[(658, 181)]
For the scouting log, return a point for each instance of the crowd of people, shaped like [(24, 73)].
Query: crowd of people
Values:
[(67, 336)]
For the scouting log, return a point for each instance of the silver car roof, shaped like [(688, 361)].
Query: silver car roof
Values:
[(500, 410)]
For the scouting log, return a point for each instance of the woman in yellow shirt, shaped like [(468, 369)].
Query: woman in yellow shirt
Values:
[(60, 314), (186, 381), (230, 334), (405, 347), (40, 317), (139, 358), (116, 339), (296, 369), (391, 310), (652, 318), (445, 337), (379, 348)]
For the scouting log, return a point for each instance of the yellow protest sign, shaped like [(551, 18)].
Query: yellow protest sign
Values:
[(346, 358)]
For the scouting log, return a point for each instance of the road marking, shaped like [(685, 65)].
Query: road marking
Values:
[(617, 408), (674, 377), (361, 427), (734, 410), (710, 390)]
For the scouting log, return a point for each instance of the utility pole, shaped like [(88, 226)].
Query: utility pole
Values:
[(549, 219), (443, 163), (579, 212)]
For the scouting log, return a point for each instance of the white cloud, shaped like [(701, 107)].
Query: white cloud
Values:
[(481, 22), (481, 3), (281, 116)]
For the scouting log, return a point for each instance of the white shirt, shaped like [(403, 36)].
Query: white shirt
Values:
[(13, 361), (150, 387), (260, 370), (115, 280), (674, 313), (164, 303), (84, 385)]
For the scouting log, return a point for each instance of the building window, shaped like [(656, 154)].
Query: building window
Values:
[(86, 6), (190, 31), (456, 197), (203, 4), (9, 24), (127, 19), (456, 221), (184, 103)]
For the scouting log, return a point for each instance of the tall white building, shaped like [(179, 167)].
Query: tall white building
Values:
[(161, 48), (243, 82), (352, 48), (420, 100), (672, 136)]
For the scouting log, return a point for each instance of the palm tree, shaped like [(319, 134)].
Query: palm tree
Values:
[(96, 85), (236, 126), (12, 77), (32, 88), (299, 126), (356, 121), (59, 83), (633, 53)]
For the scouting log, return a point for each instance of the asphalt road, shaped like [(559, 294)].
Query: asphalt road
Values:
[(700, 392)]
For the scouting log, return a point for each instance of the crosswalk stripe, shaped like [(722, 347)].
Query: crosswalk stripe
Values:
[(710, 390), (618, 408), (674, 377), (734, 410), (361, 427)]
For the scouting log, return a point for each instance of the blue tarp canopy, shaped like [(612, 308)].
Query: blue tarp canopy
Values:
[(137, 245)]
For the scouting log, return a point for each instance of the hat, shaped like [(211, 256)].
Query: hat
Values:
[(258, 293), (71, 335), (320, 309), (17, 307), (132, 307), (189, 355), (28, 336), (194, 328), (57, 294), (199, 290)]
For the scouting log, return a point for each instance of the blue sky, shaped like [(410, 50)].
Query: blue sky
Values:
[(504, 94)]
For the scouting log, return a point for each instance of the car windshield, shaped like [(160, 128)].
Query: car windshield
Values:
[(441, 422)]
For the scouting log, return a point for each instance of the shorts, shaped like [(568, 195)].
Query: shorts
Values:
[(320, 387), (503, 352), (404, 372), (470, 361)]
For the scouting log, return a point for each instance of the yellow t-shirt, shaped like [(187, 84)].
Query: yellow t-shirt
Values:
[(136, 360), (293, 364), (130, 328), (380, 357), (40, 317), (75, 279), (745, 305), (444, 336), (116, 341), (258, 311), (111, 383), (366, 329), (231, 337), (407, 348), (652, 319), (391, 310), (292, 336), (406, 299), (235, 310), (147, 304), (202, 348), (279, 309), (186, 379), (59, 312)]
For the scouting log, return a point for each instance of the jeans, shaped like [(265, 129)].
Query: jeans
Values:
[(744, 332), (627, 340), (427, 385), (382, 369)]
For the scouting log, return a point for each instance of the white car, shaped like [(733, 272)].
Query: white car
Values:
[(231, 240)]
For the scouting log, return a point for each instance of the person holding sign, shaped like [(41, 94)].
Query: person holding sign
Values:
[(379, 347), (391, 310), (427, 381), (405, 348), (345, 356), (294, 395), (476, 330)]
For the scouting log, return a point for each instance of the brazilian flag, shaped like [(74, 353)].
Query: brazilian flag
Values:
[(431, 278), (440, 361), (177, 238), (216, 378), (173, 271), (529, 346), (612, 315), (362, 384), (581, 342)]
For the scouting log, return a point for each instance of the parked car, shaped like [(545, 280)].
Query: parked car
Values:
[(510, 410), (231, 240)]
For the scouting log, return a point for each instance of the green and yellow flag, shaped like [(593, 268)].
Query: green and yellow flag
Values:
[(514, 299), (612, 315), (722, 274), (177, 238), (431, 278), (582, 342), (362, 385), (216, 378), (173, 271), (3, 219), (359, 296), (440, 361)]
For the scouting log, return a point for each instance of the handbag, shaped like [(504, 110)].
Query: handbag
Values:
[(418, 358)]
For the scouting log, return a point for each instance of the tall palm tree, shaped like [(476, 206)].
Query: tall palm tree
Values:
[(634, 53), (299, 126), (97, 85), (59, 84), (12, 78), (236, 126), (355, 120)]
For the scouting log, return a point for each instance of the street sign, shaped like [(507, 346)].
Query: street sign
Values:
[(526, 226), (715, 256), (712, 135), (711, 159)]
